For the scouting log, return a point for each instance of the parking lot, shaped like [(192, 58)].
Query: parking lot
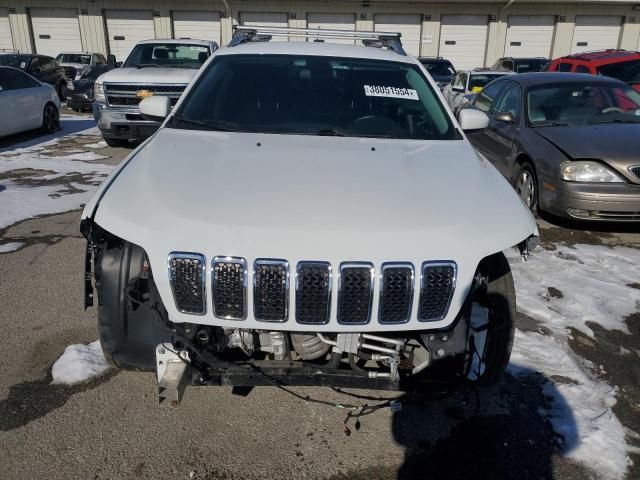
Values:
[(568, 408)]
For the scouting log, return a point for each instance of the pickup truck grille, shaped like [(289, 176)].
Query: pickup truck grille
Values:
[(313, 290), (120, 94)]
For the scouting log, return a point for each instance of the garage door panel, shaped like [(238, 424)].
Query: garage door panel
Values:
[(463, 40), (55, 30), (125, 28), (333, 21), (267, 19), (201, 25), (6, 42), (596, 32), (409, 26), (529, 35)]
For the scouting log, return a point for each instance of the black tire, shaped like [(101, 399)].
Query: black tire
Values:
[(50, 119), (128, 331), (526, 186), (500, 298), (116, 142), (62, 91)]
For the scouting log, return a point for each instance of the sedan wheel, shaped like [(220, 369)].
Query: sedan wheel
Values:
[(50, 119), (526, 187)]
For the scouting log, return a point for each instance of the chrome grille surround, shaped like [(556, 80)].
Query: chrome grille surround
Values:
[(437, 284), (355, 292), (313, 292), (271, 290), (123, 94), (229, 287), (396, 292), (187, 277)]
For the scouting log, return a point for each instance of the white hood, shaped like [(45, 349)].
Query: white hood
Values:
[(172, 76), (312, 198)]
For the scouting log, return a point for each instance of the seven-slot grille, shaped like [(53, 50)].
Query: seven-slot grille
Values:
[(313, 289), (438, 280), (313, 292), (271, 290), (396, 293), (229, 287), (355, 293), (127, 95), (187, 278)]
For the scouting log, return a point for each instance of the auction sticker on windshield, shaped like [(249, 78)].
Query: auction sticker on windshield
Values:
[(393, 92)]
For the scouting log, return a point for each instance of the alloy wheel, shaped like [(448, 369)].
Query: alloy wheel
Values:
[(526, 187)]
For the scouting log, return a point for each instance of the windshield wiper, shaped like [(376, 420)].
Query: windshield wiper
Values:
[(614, 120), (218, 126), (331, 132), (552, 124), (144, 65)]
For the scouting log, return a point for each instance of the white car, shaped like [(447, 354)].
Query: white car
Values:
[(26, 103), (463, 87), (329, 226)]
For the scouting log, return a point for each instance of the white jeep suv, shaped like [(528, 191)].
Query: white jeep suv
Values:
[(308, 214)]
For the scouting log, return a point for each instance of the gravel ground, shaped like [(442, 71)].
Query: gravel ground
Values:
[(111, 427)]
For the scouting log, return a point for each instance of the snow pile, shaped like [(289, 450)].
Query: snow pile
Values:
[(10, 247), (79, 363), (580, 403), (564, 288)]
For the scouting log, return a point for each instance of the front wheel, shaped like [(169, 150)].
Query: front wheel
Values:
[(527, 187), (50, 119)]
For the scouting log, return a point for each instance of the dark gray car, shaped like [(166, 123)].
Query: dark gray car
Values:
[(568, 143)]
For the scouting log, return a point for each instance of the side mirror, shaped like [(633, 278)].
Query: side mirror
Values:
[(155, 109), (472, 119), (111, 61), (505, 117)]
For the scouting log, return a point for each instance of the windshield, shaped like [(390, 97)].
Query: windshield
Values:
[(15, 61), (181, 55), (478, 81), (74, 58), (440, 69), (315, 95), (530, 65), (628, 72), (582, 103)]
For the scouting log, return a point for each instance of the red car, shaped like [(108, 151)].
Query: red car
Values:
[(621, 64)]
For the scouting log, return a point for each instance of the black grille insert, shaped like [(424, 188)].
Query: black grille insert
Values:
[(438, 281), (229, 287), (396, 292), (355, 293), (187, 279), (313, 292), (271, 290)]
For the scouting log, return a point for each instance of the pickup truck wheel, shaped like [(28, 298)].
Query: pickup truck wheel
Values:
[(116, 142), (499, 298), (129, 332), (50, 119)]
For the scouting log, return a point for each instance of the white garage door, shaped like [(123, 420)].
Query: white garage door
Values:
[(197, 25), (595, 32), (529, 36), (333, 21), (267, 19), (125, 28), (410, 26), (463, 40), (6, 43), (56, 30)]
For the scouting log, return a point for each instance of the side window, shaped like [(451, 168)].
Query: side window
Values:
[(100, 60), (486, 98), (564, 67), (461, 82), (15, 80), (582, 69), (507, 65), (510, 100), (36, 65)]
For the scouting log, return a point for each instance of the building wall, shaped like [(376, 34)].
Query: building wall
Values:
[(93, 31)]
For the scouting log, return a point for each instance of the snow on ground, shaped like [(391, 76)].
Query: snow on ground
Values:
[(588, 283), (80, 363), (10, 247)]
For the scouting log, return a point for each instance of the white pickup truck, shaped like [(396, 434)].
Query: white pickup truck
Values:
[(154, 67)]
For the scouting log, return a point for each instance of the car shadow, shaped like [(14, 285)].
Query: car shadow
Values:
[(486, 433), (68, 125)]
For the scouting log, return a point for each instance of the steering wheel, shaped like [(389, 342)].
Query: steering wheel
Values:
[(612, 110)]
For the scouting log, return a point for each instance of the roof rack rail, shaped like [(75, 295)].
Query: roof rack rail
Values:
[(245, 34)]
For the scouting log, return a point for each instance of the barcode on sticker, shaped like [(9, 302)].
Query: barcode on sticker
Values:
[(392, 92)]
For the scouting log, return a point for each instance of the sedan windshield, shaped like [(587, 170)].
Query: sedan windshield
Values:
[(315, 95), (628, 72), (15, 61), (582, 103), (74, 58), (166, 55)]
